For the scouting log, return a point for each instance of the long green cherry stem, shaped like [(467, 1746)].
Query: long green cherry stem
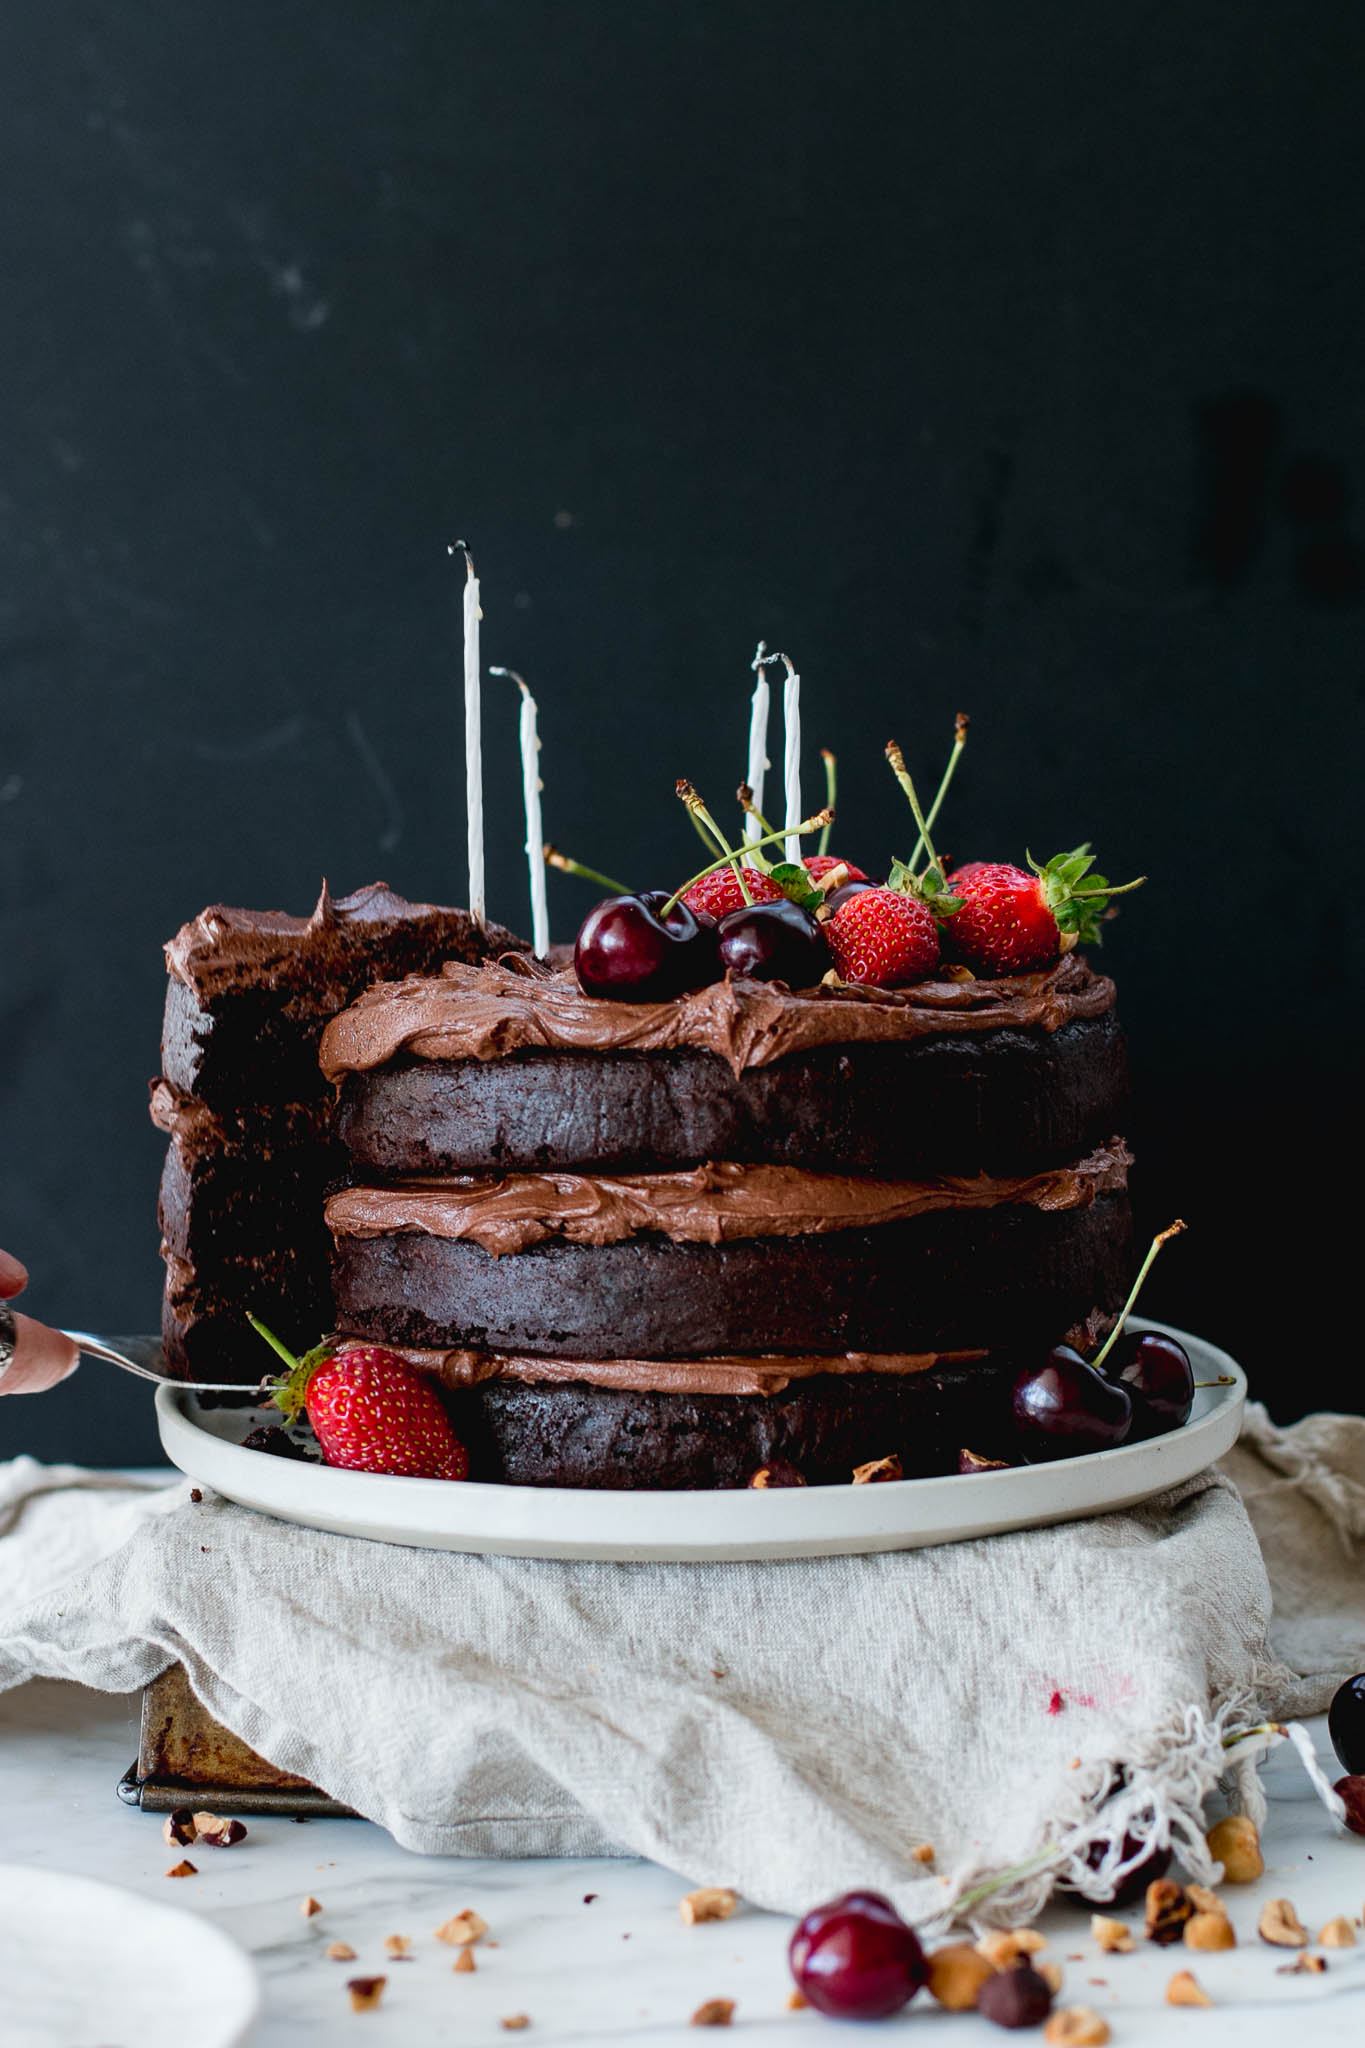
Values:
[(831, 791), (960, 724), (273, 1341), (1162, 1237), (783, 832), (707, 826), (745, 797), (555, 859), (902, 775)]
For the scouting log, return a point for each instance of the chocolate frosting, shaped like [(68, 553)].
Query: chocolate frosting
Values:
[(729, 1375), (221, 945), (489, 1011), (710, 1204)]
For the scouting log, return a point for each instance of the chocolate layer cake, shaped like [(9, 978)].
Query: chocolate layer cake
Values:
[(249, 1115), (659, 1244)]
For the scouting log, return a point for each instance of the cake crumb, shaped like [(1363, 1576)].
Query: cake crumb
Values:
[(309, 1906), (711, 1902), (341, 1952), (716, 2012), (195, 1495), (366, 1992), (463, 1928), (464, 1962)]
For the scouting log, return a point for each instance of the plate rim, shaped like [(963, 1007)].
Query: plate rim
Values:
[(824, 1520)]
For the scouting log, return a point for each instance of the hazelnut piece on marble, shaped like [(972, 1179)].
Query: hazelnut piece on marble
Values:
[(1005, 1946), (1338, 1933), (710, 1902), (462, 1928), (1076, 2026), (1185, 1989), (1112, 1935), (183, 1869), (1168, 1908), (956, 1975), (464, 1962), (1281, 1926), (217, 1832), (310, 1907), (1236, 1845), (341, 1952), (399, 1946), (178, 1828), (1209, 1931), (714, 2012), (366, 1992)]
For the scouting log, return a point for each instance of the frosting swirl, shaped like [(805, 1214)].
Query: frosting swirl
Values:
[(489, 1011), (711, 1204)]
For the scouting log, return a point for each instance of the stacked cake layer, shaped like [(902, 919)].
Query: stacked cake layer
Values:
[(666, 1244), (249, 1115)]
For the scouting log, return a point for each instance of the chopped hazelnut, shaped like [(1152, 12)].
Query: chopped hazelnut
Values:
[(341, 1952), (876, 1470), (711, 1902), (972, 1461), (179, 1829), (796, 2001), (1076, 2026), (515, 2022), (366, 1992), (777, 1472), (1209, 1931), (923, 1852), (399, 1946), (1236, 1845), (1281, 1926), (1203, 1900), (1113, 1937), (464, 1962), (716, 2012), (1338, 1933), (217, 1832), (1310, 1966), (1184, 1989), (956, 1975), (1004, 1947), (462, 1928), (309, 1907), (183, 1869), (1051, 1974), (1168, 1908)]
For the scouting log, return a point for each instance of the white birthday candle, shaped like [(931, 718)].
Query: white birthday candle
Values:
[(473, 736), (758, 740), (535, 832), (791, 713)]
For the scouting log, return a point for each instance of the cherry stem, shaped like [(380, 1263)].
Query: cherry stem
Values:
[(1162, 1237), (555, 859), (831, 790), (746, 803), (783, 832), (960, 724), (902, 775), (1116, 889), (701, 818)]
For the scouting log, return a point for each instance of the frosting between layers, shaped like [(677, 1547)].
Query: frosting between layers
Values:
[(217, 947), (489, 1011), (726, 1375), (710, 1204)]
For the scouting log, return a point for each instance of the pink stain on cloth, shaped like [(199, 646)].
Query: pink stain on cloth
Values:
[(41, 1357)]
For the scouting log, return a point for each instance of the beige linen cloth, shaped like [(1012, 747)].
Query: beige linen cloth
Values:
[(788, 1728)]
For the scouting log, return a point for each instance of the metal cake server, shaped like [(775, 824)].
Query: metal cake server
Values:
[(92, 1347)]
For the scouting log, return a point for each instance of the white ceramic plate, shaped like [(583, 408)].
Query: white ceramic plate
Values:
[(817, 1521), (83, 1963)]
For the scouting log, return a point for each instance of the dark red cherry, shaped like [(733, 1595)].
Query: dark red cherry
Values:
[(1351, 1791), (774, 942), (1065, 1407), (1158, 1374), (854, 1958), (847, 889), (626, 951), (1346, 1724)]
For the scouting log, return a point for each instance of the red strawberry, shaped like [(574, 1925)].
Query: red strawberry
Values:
[(720, 893), (1011, 922), (818, 865), (370, 1411), (884, 939)]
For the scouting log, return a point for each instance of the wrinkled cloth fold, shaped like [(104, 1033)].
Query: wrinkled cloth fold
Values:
[(789, 1728)]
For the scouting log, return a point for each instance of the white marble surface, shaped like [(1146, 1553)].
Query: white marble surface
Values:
[(622, 1970)]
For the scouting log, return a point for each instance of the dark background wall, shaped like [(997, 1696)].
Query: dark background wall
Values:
[(984, 356)]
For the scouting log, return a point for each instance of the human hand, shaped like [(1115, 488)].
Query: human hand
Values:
[(32, 1357)]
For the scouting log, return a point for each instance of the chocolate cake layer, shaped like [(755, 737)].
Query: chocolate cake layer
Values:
[(996, 1101), (946, 1280), (204, 1331), (579, 1435), (250, 991)]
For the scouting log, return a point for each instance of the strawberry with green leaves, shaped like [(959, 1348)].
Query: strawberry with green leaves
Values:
[(370, 1410), (1011, 922)]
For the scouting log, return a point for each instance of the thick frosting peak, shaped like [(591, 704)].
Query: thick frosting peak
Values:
[(489, 1011)]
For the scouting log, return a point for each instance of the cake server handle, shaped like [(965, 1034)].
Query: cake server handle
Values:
[(91, 1347)]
